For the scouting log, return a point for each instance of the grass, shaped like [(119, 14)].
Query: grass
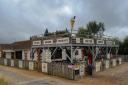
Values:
[(3, 82)]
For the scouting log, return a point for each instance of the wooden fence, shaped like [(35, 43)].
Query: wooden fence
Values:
[(108, 63), (60, 69), (124, 58)]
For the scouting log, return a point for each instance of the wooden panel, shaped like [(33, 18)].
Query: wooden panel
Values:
[(62, 41), (109, 42), (100, 42), (36, 42), (88, 41), (48, 42)]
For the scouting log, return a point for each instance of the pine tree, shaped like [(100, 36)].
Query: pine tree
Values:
[(46, 32)]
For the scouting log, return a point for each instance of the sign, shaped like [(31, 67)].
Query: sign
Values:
[(37, 42), (48, 41), (62, 41), (77, 40), (88, 41), (44, 67), (109, 42), (71, 66), (76, 66), (100, 41)]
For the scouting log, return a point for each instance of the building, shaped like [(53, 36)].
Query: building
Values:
[(16, 50)]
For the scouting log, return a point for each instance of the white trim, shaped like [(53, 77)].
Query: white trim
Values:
[(8, 51)]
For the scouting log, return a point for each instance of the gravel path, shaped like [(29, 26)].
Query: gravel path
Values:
[(114, 76)]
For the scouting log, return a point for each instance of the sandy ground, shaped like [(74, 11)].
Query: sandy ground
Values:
[(113, 76)]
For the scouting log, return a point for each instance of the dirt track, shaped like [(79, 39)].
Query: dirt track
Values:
[(114, 76)]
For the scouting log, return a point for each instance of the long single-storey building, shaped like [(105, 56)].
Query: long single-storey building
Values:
[(16, 50)]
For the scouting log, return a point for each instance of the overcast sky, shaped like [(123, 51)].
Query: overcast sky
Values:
[(19, 19)]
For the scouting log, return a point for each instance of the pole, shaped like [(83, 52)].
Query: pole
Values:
[(71, 48), (72, 21)]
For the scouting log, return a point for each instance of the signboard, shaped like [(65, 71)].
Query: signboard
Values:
[(36, 42), (109, 42), (71, 66), (77, 40), (100, 41), (48, 41), (76, 66), (88, 41), (44, 67), (62, 41)]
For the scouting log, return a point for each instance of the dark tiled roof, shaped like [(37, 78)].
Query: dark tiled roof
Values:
[(16, 45), (6, 46), (22, 44)]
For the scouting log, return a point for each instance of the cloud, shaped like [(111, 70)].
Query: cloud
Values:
[(19, 19)]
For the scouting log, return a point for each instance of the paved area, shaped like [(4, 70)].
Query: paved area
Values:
[(114, 76)]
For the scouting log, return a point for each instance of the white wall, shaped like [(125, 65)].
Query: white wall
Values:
[(8, 55)]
